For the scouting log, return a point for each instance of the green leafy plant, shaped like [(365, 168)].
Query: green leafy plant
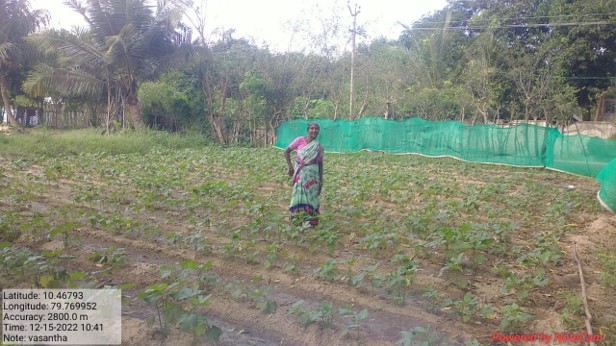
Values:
[(66, 227), (358, 279), (327, 270), (198, 242), (355, 317), (42, 270), (433, 297), (263, 300), (330, 236), (514, 318), (259, 295), (115, 257), (467, 307), (323, 314), (168, 301), (271, 251), (252, 253), (400, 279), (36, 226), (200, 272), (8, 230), (522, 285), (419, 336)]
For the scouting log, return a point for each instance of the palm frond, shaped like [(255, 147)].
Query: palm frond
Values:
[(9, 52), (70, 48), (44, 80)]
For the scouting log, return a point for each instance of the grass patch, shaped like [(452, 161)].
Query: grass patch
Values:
[(53, 143), (572, 314), (608, 274), (607, 267)]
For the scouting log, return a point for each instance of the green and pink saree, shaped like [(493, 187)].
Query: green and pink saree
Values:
[(306, 181)]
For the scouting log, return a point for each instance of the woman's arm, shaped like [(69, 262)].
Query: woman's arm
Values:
[(321, 169), (287, 156), (320, 176)]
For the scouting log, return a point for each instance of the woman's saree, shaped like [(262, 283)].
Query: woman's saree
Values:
[(305, 196)]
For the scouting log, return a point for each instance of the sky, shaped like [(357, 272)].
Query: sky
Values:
[(284, 25)]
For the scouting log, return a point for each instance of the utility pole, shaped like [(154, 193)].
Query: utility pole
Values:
[(353, 34)]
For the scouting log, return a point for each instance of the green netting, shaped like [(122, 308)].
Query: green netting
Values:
[(520, 145), (607, 179)]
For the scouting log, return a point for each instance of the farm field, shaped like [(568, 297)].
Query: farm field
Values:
[(410, 250)]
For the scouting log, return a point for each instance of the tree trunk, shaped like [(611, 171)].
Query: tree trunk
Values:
[(485, 117), (362, 109), (7, 102), (134, 107), (352, 85), (336, 106), (20, 115), (273, 123), (135, 113), (388, 108), (599, 110), (215, 117)]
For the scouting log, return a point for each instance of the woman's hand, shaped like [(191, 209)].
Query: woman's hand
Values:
[(291, 172)]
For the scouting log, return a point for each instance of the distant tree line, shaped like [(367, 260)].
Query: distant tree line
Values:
[(476, 61)]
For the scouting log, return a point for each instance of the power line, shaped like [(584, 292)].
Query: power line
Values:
[(590, 78), (560, 16), (536, 17), (514, 26)]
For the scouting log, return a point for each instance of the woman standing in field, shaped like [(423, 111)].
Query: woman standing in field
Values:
[(307, 176)]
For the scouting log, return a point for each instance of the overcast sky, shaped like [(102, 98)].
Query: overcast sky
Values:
[(273, 22)]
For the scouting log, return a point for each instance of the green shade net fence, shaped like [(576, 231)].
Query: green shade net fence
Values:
[(520, 145)]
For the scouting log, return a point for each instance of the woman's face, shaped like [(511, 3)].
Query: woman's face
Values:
[(313, 131)]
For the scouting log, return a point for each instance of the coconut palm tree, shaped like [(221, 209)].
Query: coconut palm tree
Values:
[(127, 42), (17, 20)]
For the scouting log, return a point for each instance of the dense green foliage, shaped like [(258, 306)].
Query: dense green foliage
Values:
[(17, 21), (476, 61)]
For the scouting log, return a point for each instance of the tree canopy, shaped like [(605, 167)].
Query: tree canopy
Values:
[(17, 20), (475, 61)]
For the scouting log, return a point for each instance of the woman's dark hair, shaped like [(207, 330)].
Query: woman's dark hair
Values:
[(312, 123)]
